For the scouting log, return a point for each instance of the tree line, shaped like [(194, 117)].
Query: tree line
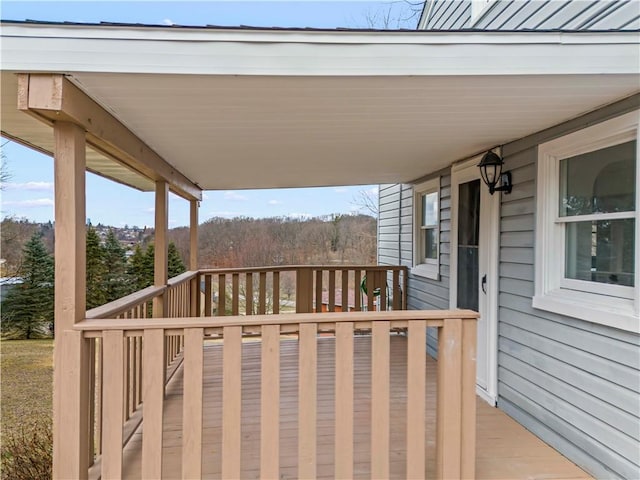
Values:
[(112, 272), (28, 308)]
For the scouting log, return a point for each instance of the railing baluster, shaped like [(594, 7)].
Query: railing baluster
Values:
[(222, 295), (262, 294), (397, 299), (231, 401), (468, 415), (134, 373), (276, 292), (192, 404), (127, 377), (307, 400), (344, 401), (370, 287), (153, 387), (248, 296), (357, 280), (92, 398), (380, 400), (448, 408), (416, 392), (270, 402), (344, 291), (235, 294), (331, 307), (207, 295), (113, 404), (319, 291), (100, 390), (381, 278)]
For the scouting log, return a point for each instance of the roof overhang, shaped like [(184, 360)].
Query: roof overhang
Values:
[(235, 108)]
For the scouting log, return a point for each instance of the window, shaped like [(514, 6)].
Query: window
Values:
[(426, 232), (587, 224)]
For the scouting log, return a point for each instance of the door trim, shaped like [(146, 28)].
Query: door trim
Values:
[(460, 173)]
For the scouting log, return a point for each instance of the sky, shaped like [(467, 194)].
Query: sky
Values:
[(29, 191)]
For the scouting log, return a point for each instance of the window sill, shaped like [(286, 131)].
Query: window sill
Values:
[(601, 309), (428, 271)]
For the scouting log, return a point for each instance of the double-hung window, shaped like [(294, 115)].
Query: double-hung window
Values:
[(426, 229), (587, 224)]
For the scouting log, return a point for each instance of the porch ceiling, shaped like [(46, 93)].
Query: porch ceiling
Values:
[(252, 109)]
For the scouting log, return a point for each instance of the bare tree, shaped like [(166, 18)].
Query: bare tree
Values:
[(367, 201), (395, 15)]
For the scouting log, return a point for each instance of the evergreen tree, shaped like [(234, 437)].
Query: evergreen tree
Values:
[(96, 270), (148, 266), (137, 268), (118, 282), (176, 266), (27, 309)]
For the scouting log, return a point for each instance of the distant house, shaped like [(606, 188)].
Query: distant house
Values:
[(6, 284), (552, 266)]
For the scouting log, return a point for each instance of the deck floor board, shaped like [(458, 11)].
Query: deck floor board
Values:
[(505, 450)]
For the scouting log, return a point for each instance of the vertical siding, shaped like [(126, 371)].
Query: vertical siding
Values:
[(574, 383), (396, 246)]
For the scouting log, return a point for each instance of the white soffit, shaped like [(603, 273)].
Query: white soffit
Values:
[(263, 109)]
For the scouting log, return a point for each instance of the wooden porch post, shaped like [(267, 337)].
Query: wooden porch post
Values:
[(160, 266), (71, 352), (193, 258)]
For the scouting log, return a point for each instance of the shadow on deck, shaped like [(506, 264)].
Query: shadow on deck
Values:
[(505, 450)]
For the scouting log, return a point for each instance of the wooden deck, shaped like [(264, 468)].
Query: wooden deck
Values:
[(505, 450)]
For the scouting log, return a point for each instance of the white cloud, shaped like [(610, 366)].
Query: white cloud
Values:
[(274, 202), (373, 190), (150, 210), (30, 186), (167, 21), (205, 196), (38, 202), (341, 189), (235, 197)]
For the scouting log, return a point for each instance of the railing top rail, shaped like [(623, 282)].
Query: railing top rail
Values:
[(286, 268), (123, 304), (183, 277), (281, 319)]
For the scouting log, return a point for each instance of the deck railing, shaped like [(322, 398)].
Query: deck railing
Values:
[(321, 288), (455, 437)]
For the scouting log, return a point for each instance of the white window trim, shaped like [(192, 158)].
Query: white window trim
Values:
[(606, 305), (430, 269)]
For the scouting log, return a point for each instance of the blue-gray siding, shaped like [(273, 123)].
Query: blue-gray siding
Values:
[(395, 246), (537, 15), (575, 384)]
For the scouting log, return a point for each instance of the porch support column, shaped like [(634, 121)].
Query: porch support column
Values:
[(193, 258), (71, 353), (160, 266)]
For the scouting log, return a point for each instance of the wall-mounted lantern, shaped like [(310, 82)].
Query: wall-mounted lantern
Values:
[(492, 174)]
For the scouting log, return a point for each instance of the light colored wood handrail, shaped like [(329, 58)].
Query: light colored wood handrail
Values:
[(183, 277), (291, 268), (280, 319), (112, 309)]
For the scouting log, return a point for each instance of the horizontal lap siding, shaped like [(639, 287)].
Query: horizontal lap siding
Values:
[(573, 383), (396, 247), (449, 15), (566, 15)]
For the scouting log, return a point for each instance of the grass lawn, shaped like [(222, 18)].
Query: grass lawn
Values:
[(26, 382)]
